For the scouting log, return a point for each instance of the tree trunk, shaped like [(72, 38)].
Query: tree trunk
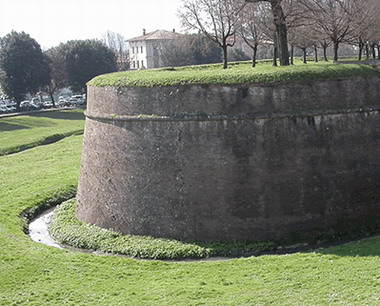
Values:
[(378, 52), (325, 53), (366, 51), (225, 61), (360, 51), (281, 32), (18, 106), (304, 55), (373, 51), (336, 47), (52, 99), (50, 90), (316, 53), (254, 56), (292, 55), (274, 55)]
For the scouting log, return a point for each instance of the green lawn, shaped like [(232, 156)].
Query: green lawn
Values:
[(35, 274), (237, 73), (23, 132)]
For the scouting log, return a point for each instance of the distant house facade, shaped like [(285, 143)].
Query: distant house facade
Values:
[(145, 51)]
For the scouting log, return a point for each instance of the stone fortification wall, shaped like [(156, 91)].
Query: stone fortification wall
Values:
[(241, 162)]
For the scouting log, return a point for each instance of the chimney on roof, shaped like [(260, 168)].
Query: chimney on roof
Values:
[(144, 32), (173, 30)]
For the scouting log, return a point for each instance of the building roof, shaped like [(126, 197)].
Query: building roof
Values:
[(157, 35)]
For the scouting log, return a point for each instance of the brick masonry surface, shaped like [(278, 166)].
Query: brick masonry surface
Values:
[(248, 162)]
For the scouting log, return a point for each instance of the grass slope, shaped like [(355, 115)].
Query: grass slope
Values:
[(66, 229), (238, 73), (25, 132), (35, 274)]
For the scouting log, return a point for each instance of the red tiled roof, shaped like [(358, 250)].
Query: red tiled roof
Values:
[(157, 35)]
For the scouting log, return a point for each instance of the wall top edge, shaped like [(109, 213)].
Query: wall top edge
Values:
[(206, 117)]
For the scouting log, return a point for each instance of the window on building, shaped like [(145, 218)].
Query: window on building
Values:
[(133, 49), (134, 64), (142, 64), (138, 64), (141, 49), (137, 49)]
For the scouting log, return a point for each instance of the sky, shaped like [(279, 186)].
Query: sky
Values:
[(51, 22)]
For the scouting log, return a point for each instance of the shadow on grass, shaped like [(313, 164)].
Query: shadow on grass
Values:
[(62, 115), (367, 247), (44, 141), (6, 127)]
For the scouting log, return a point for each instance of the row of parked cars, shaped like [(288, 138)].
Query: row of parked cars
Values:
[(4, 109), (7, 106), (76, 100), (28, 106)]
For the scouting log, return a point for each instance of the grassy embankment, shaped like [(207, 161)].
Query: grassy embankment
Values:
[(67, 229), (25, 132), (238, 73), (35, 274)]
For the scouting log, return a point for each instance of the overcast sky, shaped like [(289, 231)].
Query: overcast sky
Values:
[(50, 22)]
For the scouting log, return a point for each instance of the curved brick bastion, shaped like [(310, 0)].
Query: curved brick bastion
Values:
[(238, 162)]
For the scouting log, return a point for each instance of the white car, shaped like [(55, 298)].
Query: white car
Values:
[(3, 109), (25, 105), (48, 104), (10, 108), (78, 99)]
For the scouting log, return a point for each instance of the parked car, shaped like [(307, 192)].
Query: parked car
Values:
[(36, 106), (3, 109), (35, 101), (9, 103), (73, 101), (63, 103), (78, 99), (63, 98), (48, 104), (10, 108), (25, 106)]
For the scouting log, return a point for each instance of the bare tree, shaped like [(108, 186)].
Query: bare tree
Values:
[(304, 40), (264, 22), (325, 43), (252, 27), (334, 19), (116, 42), (296, 18), (366, 27), (189, 49), (175, 53), (215, 18), (281, 29)]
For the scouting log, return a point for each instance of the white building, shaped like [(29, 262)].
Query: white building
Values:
[(145, 51)]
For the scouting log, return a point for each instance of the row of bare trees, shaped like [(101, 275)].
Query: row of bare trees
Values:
[(286, 24)]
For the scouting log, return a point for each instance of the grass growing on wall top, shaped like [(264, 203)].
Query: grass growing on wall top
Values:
[(237, 73)]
